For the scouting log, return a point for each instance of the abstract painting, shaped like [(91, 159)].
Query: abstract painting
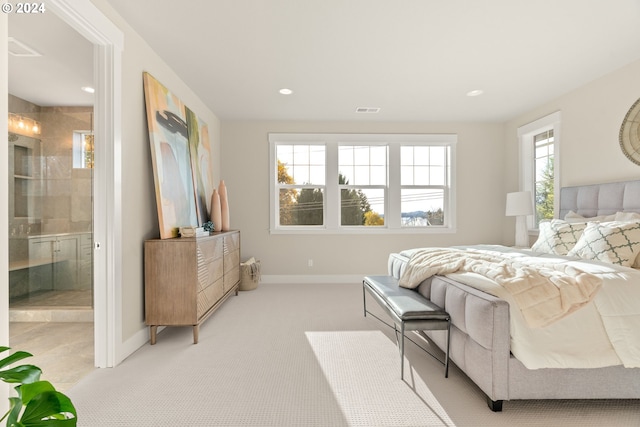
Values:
[(170, 155), (200, 149)]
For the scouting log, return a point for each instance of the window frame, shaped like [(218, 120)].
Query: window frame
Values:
[(392, 190), (526, 136), (352, 186), (80, 150)]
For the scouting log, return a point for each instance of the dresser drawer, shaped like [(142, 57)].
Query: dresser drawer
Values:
[(210, 249), (231, 278), (209, 296), (231, 243), (209, 272)]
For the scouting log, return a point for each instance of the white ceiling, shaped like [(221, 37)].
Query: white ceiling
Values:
[(65, 64), (414, 59)]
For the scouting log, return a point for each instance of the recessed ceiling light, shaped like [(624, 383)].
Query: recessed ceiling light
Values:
[(88, 89), (285, 91), (475, 92)]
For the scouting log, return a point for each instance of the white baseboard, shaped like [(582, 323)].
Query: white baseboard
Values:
[(131, 345), (311, 278)]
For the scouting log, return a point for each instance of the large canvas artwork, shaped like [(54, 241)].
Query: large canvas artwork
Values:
[(200, 149), (171, 158)]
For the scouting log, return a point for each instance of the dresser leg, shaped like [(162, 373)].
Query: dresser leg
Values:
[(196, 330), (153, 329)]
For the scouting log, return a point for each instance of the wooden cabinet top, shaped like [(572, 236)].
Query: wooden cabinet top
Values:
[(194, 239)]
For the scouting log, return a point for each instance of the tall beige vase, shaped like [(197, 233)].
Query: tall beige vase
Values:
[(216, 210), (224, 205)]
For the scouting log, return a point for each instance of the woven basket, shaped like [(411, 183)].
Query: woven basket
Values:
[(249, 275)]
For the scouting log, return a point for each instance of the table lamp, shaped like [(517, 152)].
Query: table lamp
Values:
[(520, 204)]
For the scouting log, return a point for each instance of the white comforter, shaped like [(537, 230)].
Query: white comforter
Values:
[(544, 292), (604, 332)]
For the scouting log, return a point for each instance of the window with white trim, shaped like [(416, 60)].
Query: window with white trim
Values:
[(361, 183), (539, 148), (83, 149)]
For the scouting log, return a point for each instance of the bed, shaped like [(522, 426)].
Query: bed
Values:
[(592, 351)]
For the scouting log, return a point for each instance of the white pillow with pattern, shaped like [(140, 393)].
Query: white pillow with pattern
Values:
[(612, 242), (558, 237)]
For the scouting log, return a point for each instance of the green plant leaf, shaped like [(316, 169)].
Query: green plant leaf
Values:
[(18, 355), (14, 412), (31, 390), (38, 403), (21, 374), (49, 408)]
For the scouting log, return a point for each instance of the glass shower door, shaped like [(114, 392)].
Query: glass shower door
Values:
[(50, 209)]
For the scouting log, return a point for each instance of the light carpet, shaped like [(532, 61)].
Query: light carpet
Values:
[(304, 355)]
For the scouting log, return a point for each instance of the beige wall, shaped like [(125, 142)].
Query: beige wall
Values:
[(591, 118), (245, 153), (140, 220)]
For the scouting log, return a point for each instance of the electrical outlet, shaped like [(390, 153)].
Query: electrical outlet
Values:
[(309, 263)]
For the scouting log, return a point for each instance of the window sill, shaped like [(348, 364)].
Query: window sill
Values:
[(367, 231)]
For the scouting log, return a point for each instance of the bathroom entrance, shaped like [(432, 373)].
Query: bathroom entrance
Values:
[(50, 156), (50, 211)]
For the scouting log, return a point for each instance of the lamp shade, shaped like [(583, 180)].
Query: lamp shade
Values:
[(519, 203)]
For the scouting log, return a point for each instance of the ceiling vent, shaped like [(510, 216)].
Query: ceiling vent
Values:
[(367, 110), (17, 48)]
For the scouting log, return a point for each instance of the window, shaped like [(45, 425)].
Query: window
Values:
[(83, 149), (423, 184), (301, 178), (361, 183), (362, 180), (539, 142), (543, 194)]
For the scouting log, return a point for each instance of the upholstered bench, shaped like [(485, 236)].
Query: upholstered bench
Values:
[(407, 308)]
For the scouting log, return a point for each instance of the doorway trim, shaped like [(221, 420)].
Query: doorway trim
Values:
[(108, 42), (4, 195)]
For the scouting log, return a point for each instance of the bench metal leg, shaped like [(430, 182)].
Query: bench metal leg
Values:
[(364, 298), (446, 356), (402, 351)]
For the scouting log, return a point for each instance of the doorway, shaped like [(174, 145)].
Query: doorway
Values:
[(50, 162)]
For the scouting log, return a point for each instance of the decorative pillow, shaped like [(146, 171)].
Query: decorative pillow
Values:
[(571, 216), (627, 216), (613, 242), (630, 217), (558, 237)]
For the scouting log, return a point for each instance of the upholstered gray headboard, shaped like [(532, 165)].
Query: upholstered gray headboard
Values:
[(600, 199)]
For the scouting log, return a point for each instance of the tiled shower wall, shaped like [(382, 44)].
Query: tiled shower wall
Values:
[(63, 197)]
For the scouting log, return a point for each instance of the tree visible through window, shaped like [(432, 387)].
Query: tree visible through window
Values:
[(424, 172), (362, 178), (301, 175), (353, 182), (544, 180), (539, 142)]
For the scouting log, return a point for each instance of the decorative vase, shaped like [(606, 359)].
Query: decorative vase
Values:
[(224, 206), (216, 210)]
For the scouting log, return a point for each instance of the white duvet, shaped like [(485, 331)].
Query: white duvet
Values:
[(604, 332)]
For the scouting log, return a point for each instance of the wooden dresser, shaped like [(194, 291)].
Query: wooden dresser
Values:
[(187, 279)]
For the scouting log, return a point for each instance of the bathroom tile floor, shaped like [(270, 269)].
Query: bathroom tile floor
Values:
[(57, 328), (63, 350)]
